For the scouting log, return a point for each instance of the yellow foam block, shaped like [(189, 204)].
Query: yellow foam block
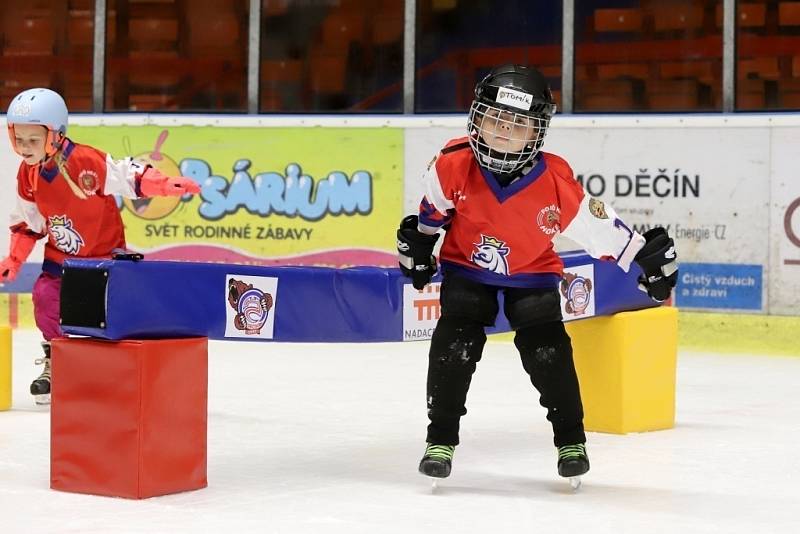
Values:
[(5, 367), (626, 368)]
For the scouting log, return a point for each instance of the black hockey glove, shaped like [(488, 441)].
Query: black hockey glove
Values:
[(658, 262), (415, 252)]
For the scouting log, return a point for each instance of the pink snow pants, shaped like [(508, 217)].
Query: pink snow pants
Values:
[(47, 305)]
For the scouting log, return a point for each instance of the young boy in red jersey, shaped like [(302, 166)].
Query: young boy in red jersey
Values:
[(65, 192), (501, 201)]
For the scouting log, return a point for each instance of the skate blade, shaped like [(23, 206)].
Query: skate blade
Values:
[(434, 484), (575, 483), (42, 400)]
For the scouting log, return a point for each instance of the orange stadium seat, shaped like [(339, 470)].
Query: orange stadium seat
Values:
[(700, 70), (274, 8), (550, 71), (10, 86), (443, 5), (613, 71), (354, 6), (796, 66), (386, 30), (153, 29), (673, 95), (750, 94), (681, 17), (215, 33), (748, 15), (78, 92), (765, 68), (341, 29), (28, 36), (79, 102), (603, 102), (281, 70), (143, 74), (327, 73), (82, 5), (151, 102), (270, 100), (23, 9), (153, 33), (789, 94), (618, 20), (281, 84), (611, 95), (789, 14), (557, 98), (80, 29), (581, 73)]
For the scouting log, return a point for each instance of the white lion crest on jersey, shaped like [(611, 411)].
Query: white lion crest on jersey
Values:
[(64, 236), (491, 254)]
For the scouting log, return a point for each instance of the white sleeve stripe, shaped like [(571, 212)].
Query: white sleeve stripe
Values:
[(121, 177), (435, 193), (26, 212), (631, 249), (430, 230)]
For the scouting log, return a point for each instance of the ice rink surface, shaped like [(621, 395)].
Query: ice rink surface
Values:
[(313, 438)]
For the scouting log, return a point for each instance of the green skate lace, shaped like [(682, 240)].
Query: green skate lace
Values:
[(571, 451), (444, 452)]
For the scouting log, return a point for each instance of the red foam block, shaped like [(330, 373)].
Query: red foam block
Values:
[(129, 418)]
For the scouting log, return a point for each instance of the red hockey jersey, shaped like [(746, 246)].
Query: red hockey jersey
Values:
[(77, 212), (503, 235)]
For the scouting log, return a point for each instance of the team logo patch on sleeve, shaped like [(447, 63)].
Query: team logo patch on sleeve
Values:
[(549, 219), (492, 255), (88, 182), (597, 208)]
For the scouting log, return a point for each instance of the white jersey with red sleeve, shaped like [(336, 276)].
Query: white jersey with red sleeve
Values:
[(503, 235), (75, 209)]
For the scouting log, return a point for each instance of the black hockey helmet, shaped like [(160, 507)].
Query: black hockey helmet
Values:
[(513, 103)]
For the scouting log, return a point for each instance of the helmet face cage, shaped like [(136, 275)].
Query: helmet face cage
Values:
[(502, 140)]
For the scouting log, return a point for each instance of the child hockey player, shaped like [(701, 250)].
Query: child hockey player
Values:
[(501, 201), (65, 193)]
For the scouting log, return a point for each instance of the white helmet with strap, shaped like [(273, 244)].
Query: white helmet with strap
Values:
[(39, 106)]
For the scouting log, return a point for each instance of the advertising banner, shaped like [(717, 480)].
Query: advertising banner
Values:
[(705, 184), (720, 286), (270, 196), (330, 191), (785, 223)]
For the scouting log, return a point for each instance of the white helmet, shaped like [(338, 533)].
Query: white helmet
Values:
[(39, 106)]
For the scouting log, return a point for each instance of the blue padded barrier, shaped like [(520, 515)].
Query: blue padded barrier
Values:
[(161, 299)]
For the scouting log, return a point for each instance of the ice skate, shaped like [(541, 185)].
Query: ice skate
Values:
[(572, 463), (436, 462), (40, 388)]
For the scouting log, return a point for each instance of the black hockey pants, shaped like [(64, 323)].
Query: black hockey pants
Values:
[(542, 341)]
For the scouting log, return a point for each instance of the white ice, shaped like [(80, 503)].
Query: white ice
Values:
[(315, 438)]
